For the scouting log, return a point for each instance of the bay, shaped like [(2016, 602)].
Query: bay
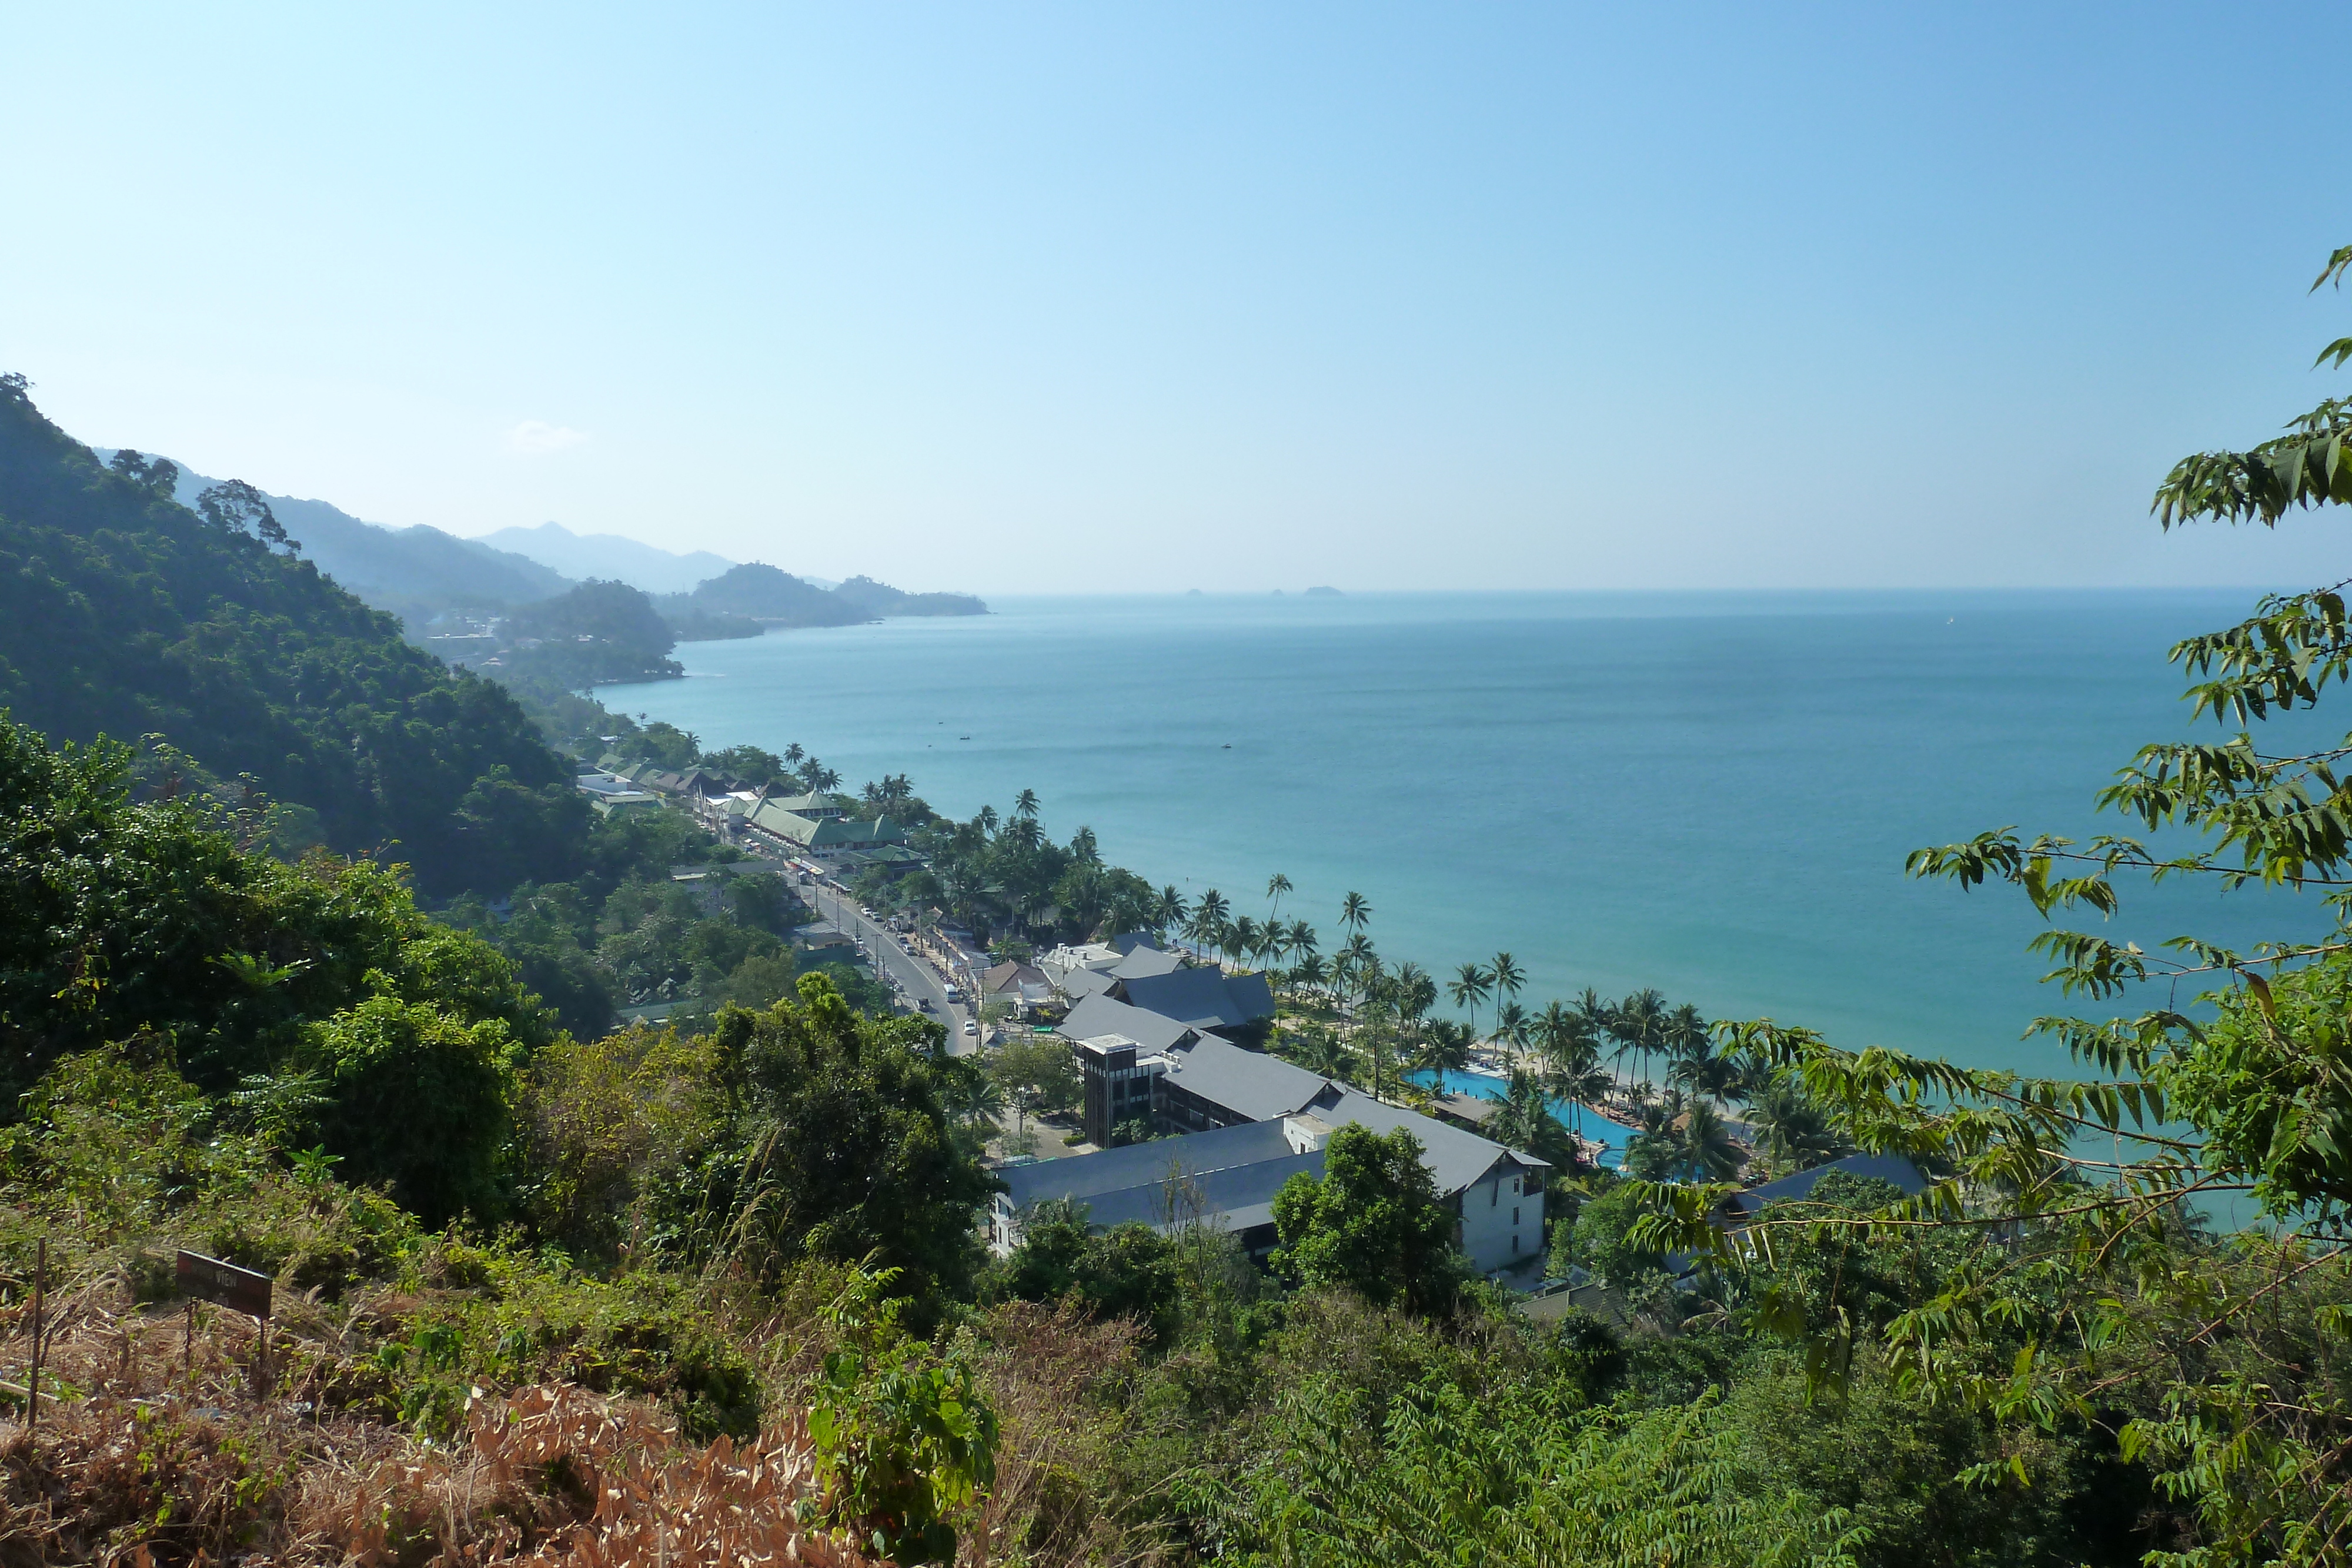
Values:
[(1712, 794)]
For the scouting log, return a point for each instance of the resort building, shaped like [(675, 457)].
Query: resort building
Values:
[(1227, 1178), (1207, 999)]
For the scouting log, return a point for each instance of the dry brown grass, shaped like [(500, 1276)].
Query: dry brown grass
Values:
[(145, 1456), (1046, 1368)]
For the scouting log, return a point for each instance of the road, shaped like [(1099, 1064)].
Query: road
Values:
[(914, 978)]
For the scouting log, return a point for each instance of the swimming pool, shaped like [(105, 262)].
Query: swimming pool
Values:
[(1582, 1120)]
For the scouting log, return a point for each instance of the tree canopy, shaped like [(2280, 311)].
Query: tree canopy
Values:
[(1371, 1223), (125, 614)]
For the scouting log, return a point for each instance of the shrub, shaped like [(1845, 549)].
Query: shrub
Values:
[(416, 1099)]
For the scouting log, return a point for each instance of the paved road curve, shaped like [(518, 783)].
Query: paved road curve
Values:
[(914, 977)]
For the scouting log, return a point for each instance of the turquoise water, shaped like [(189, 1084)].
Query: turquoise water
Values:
[(1583, 1120), (1708, 793)]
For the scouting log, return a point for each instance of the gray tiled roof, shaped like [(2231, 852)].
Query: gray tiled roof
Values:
[(1146, 961), (1247, 1082), (1455, 1158), (1076, 983), (1201, 997), (1886, 1168), (1103, 1015), (1233, 1174)]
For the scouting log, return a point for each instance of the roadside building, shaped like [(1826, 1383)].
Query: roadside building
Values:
[(1089, 958), (1022, 985), (625, 802), (822, 837), (817, 807), (823, 944)]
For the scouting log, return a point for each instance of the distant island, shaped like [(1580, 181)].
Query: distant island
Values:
[(1323, 593)]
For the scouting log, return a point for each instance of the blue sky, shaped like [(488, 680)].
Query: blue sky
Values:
[(1229, 296)]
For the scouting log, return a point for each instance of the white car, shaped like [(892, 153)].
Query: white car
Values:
[(970, 1027)]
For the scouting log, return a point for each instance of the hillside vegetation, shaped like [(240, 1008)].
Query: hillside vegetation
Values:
[(716, 1293), (125, 613), (413, 572)]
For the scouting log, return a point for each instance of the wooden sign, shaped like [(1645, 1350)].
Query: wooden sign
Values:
[(210, 1280)]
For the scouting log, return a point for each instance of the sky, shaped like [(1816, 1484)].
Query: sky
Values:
[(1086, 297)]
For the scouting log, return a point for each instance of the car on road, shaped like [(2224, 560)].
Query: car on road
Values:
[(924, 1003), (970, 1027)]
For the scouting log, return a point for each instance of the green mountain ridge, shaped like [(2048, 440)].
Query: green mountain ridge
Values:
[(126, 614), (415, 572)]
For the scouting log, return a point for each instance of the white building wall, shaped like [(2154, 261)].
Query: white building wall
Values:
[(1501, 1218)]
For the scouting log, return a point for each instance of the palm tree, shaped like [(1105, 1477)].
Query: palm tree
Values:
[(1024, 804), (1354, 962), (1594, 1018), (1704, 1148), (1790, 1130), (1302, 938), (1525, 1120), (1637, 1023), (1275, 886), (1326, 1053), (1308, 971), (1511, 1026), (1470, 986), (1245, 936), (1170, 909), (1509, 976), (1560, 1039), (1209, 912), (1581, 1080), (1445, 1047), (1414, 993), (1355, 912), (987, 819)]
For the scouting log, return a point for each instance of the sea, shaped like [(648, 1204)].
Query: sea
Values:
[(1710, 794)]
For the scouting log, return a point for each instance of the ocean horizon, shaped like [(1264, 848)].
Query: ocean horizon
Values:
[(1710, 793)]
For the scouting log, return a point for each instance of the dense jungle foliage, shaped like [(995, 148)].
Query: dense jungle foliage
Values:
[(776, 1214), (124, 612), (764, 1224)]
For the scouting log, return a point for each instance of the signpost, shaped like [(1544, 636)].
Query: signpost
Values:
[(224, 1284), (33, 1383)]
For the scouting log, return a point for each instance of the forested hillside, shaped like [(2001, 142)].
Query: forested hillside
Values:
[(415, 572), (126, 614)]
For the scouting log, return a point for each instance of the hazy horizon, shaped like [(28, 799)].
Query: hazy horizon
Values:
[(1048, 300)]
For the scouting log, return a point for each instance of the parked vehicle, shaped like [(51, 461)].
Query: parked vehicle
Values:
[(970, 1027)]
